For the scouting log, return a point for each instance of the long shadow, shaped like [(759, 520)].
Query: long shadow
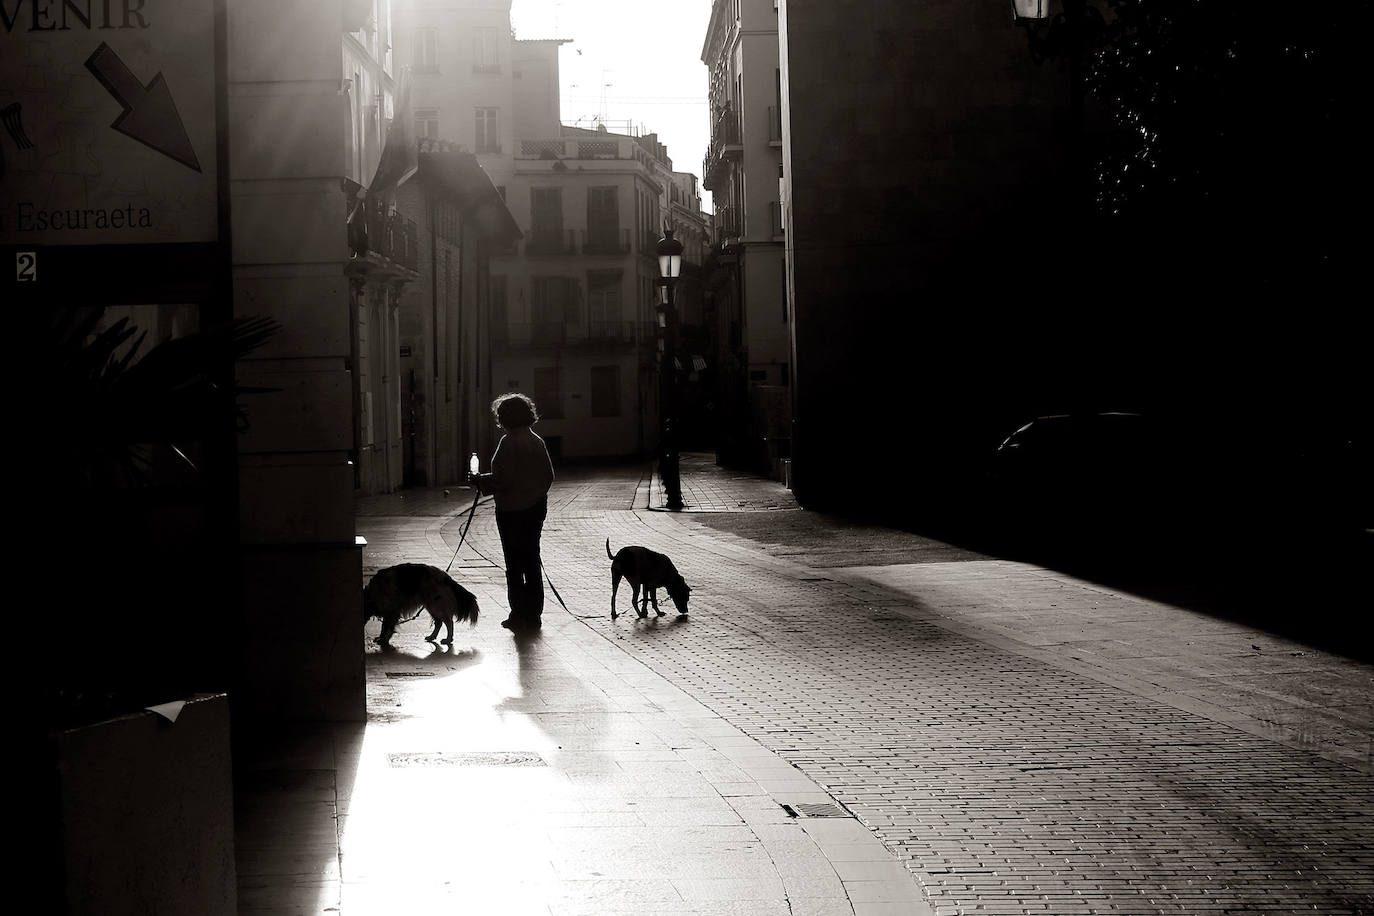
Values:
[(289, 785), (1309, 586)]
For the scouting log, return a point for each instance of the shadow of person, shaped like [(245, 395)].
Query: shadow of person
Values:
[(525, 640), (553, 696)]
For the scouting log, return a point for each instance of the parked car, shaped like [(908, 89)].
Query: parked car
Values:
[(1132, 471), (1095, 455)]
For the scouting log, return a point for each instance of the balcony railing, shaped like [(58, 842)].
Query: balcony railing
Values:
[(551, 243), (379, 232), (577, 148), (725, 130), (726, 144), (606, 243), (727, 223), (715, 172), (596, 333)]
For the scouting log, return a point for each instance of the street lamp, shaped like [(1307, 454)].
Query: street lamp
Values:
[(669, 269), (1067, 36)]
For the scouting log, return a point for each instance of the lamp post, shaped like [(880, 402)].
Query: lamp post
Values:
[(669, 269), (1065, 36)]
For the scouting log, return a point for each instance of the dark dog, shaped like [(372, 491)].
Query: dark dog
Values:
[(648, 570), (410, 588)]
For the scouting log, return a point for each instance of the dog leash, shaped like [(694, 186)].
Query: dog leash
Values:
[(549, 580), (472, 511)]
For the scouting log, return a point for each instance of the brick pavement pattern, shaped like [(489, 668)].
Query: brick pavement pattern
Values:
[(1009, 780)]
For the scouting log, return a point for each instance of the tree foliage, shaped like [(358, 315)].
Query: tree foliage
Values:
[(1234, 121)]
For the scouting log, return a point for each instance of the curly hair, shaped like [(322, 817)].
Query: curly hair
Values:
[(514, 410)]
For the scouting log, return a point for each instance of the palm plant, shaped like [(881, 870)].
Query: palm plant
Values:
[(136, 443), (111, 406)]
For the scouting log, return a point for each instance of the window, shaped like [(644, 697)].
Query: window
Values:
[(488, 140), (427, 49), (605, 391), (553, 301), (427, 122), (603, 302), (484, 51), (603, 220), (548, 393), (546, 219)]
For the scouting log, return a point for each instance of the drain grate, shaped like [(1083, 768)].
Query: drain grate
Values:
[(411, 674), (815, 809), (472, 759)]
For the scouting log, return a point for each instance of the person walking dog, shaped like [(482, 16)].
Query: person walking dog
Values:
[(520, 477)]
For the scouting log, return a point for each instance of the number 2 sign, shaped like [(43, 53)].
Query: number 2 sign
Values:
[(26, 267)]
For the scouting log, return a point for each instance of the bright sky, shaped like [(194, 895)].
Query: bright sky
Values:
[(634, 63)]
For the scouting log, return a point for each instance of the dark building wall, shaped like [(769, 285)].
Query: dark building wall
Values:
[(926, 173), (951, 277)]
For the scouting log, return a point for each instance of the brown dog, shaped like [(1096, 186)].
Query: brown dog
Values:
[(648, 570), (410, 588)]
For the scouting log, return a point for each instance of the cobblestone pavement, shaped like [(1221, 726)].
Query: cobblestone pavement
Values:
[(1025, 741)]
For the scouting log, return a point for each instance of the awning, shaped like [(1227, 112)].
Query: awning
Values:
[(463, 177)]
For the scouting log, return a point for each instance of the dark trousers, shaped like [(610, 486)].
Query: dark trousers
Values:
[(520, 532)]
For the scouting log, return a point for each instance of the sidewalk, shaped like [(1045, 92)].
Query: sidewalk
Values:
[(551, 774), (936, 732)]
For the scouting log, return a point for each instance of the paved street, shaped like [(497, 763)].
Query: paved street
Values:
[(977, 735)]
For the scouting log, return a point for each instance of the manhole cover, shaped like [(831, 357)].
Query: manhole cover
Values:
[(472, 759), (410, 674), (812, 809)]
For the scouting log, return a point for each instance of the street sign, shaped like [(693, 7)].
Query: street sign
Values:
[(108, 122)]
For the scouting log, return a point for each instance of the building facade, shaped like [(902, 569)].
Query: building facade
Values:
[(909, 212), (577, 297), (742, 169), (358, 245), (570, 320), (442, 330), (309, 88)]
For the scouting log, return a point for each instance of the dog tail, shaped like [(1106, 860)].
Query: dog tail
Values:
[(609, 555), (464, 602)]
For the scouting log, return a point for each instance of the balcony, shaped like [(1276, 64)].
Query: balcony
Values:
[(381, 241), (613, 334), (606, 243), (551, 243), (583, 149), (727, 223), (726, 134), (726, 146)]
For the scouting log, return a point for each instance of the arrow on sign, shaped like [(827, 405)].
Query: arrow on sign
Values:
[(150, 116)]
